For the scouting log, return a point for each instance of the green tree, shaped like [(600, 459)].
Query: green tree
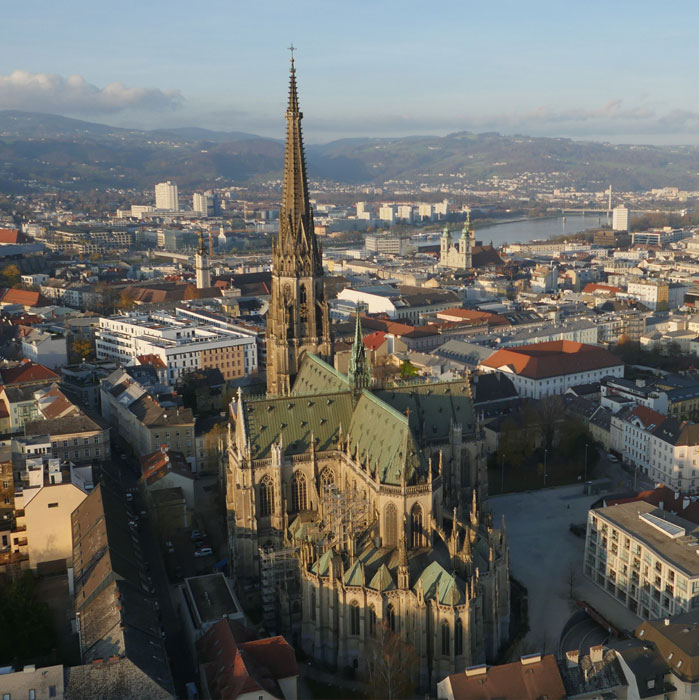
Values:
[(27, 630), (82, 349), (408, 370), (10, 276)]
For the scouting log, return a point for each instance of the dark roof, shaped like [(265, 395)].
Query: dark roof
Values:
[(587, 676), (646, 664), (677, 640), (495, 386)]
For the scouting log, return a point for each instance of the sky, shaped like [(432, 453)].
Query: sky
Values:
[(618, 71)]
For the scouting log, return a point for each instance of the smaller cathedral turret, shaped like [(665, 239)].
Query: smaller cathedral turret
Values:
[(359, 373), (459, 256)]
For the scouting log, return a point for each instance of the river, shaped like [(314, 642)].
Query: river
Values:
[(532, 229)]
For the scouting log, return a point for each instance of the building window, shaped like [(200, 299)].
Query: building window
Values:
[(390, 526), (445, 638), (354, 617), (372, 621), (458, 638), (313, 604), (298, 493), (53, 505), (266, 497), (327, 479), (391, 617), (416, 526)]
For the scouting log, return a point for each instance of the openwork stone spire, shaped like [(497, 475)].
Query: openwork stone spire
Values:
[(297, 249), (299, 317), (359, 374)]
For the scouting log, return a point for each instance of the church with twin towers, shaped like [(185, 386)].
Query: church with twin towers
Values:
[(356, 509)]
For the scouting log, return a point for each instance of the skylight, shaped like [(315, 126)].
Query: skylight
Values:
[(665, 526)]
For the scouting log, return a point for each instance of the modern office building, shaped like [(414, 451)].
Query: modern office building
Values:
[(620, 219)]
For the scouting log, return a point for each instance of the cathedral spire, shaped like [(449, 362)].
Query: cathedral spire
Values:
[(298, 320)]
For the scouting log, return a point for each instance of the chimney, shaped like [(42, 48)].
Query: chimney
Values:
[(677, 495), (596, 653), (29, 668), (530, 659), (685, 502), (572, 657), (667, 621), (477, 670)]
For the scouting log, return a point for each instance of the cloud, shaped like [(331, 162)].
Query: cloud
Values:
[(47, 92)]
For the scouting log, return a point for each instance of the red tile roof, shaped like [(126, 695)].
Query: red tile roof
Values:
[(12, 235), (374, 340), (650, 418), (458, 314), (27, 372), (24, 297), (234, 668), (552, 359), (513, 681), (593, 287), (154, 360), (157, 464)]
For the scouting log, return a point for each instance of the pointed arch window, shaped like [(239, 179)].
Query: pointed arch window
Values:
[(313, 604), (327, 479), (299, 493), (390, 524), (354, 617), (416, 536), (458, 638), (303, 303), (391, 617), (445, 638), (266, 497), (372, 620)]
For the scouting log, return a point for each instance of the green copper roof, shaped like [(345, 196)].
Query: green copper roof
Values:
[(436, 576), (321, 567), (354, 576), (383, 581), (383, 437), (432, 407), (295, 418), (317, 377)]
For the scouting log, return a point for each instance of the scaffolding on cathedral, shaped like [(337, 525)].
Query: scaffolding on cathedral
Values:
[(346, 514), (278, 573)]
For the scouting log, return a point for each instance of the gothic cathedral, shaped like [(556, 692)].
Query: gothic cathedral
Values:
[(355, 508)]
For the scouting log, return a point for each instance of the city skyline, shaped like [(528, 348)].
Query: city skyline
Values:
[(613, 73)]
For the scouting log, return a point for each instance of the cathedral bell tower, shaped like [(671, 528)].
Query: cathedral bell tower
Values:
[(298, 319)]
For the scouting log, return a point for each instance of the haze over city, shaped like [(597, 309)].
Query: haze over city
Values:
[(603, 71)]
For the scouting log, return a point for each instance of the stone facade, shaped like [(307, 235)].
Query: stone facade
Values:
[(459, 256)]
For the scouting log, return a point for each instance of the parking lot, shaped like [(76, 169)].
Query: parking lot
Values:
[(547, 558)]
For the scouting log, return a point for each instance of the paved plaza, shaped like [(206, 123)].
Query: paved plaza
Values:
[(544, 555)]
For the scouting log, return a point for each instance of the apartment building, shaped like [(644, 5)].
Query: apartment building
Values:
[(43, 506), (645, 557), (674, 455), (144, 423), (182, 344), (633, 429)]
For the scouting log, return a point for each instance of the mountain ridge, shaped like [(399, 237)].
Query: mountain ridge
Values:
[(51, 150)]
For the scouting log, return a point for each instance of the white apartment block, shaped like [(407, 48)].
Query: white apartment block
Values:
[(674, 455), (166, 196), (644, 557), (182, 344), (630, 434), (620, 219), (387, 212), (650, 293), (405, 213)]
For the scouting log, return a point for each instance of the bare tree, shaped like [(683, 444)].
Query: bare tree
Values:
[(391, 665), (571, 577)]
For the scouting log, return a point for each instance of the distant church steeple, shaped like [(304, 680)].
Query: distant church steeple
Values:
[(298, 318), (201, 264)]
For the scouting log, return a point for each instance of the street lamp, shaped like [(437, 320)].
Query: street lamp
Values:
[(545, 474), (502, 474), (585, 480)]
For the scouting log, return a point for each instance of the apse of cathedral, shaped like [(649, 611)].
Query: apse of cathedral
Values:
[(353, 505)]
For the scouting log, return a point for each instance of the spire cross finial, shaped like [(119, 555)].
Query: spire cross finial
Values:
[(292, 48)]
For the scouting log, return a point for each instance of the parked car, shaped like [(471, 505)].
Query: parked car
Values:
[(198, 535), (170, 547), (612, 458), (203, 552), (578, 529)]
